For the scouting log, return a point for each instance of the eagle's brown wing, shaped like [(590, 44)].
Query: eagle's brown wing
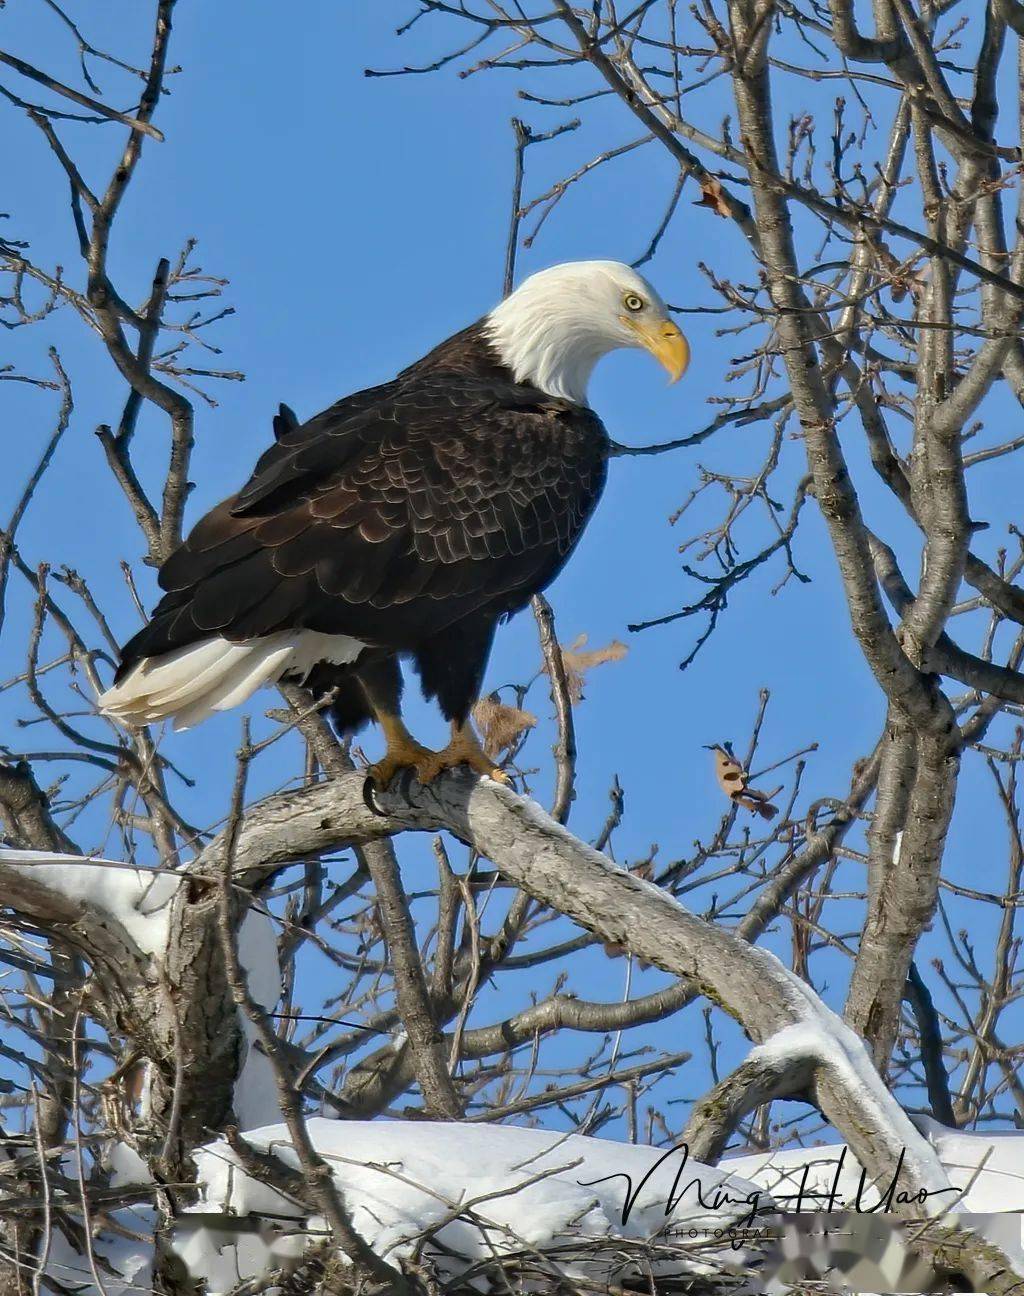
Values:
[(389, 517)]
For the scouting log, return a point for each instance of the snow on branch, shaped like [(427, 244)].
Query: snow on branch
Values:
[(138, 900), (123, 918)]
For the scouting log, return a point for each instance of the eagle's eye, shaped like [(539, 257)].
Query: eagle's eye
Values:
[(632, 302)]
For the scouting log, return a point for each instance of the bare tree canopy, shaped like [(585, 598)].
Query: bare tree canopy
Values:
[(262, 1031)]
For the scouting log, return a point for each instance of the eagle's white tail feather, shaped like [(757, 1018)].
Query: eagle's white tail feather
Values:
[(263, 665), (220, 676), (157, 682), (215, 675), (162, 682)]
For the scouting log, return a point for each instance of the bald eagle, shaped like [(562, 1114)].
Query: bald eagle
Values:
[(405, 521)]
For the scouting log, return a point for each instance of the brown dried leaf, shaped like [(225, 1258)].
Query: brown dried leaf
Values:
[(500, 726), (577, 660), (732, 779), (714, 196)]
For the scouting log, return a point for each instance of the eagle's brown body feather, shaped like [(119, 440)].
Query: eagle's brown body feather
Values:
[(410, 517)]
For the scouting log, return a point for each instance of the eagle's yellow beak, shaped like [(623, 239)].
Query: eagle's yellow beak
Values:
[(666, 342)]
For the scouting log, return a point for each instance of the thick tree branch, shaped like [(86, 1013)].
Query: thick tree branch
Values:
[(414, 1004), (555, 868), (766, 1074)]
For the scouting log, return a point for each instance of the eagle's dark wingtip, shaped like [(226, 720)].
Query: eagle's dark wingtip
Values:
[(285, 421)]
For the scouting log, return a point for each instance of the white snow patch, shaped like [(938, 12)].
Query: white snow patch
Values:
[(139, 898), (125, 1264), (803, 1178), (987, 1169), (225, 1257), (125, 1166), (473, 1182), (257, 953), (401, 1177), (822, 1035)]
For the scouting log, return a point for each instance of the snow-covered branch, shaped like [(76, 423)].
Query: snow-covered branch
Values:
[(775, 1007)]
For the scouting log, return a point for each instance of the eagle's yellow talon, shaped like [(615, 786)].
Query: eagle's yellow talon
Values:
[(403, 752), (464, 749)]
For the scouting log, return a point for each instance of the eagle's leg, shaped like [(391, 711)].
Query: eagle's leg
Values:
[(463, 749), (451, 665), (382, 683)]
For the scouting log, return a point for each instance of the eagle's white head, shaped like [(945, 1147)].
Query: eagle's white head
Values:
[(558, 323)]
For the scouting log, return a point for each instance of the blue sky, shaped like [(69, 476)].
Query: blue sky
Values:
[(360, 220)]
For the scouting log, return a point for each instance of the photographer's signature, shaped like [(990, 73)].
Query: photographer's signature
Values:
[(715, 1197)]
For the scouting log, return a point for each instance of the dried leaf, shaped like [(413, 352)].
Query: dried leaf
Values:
[(500, 726), (714, 196), (577, 660), (732, 779)]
